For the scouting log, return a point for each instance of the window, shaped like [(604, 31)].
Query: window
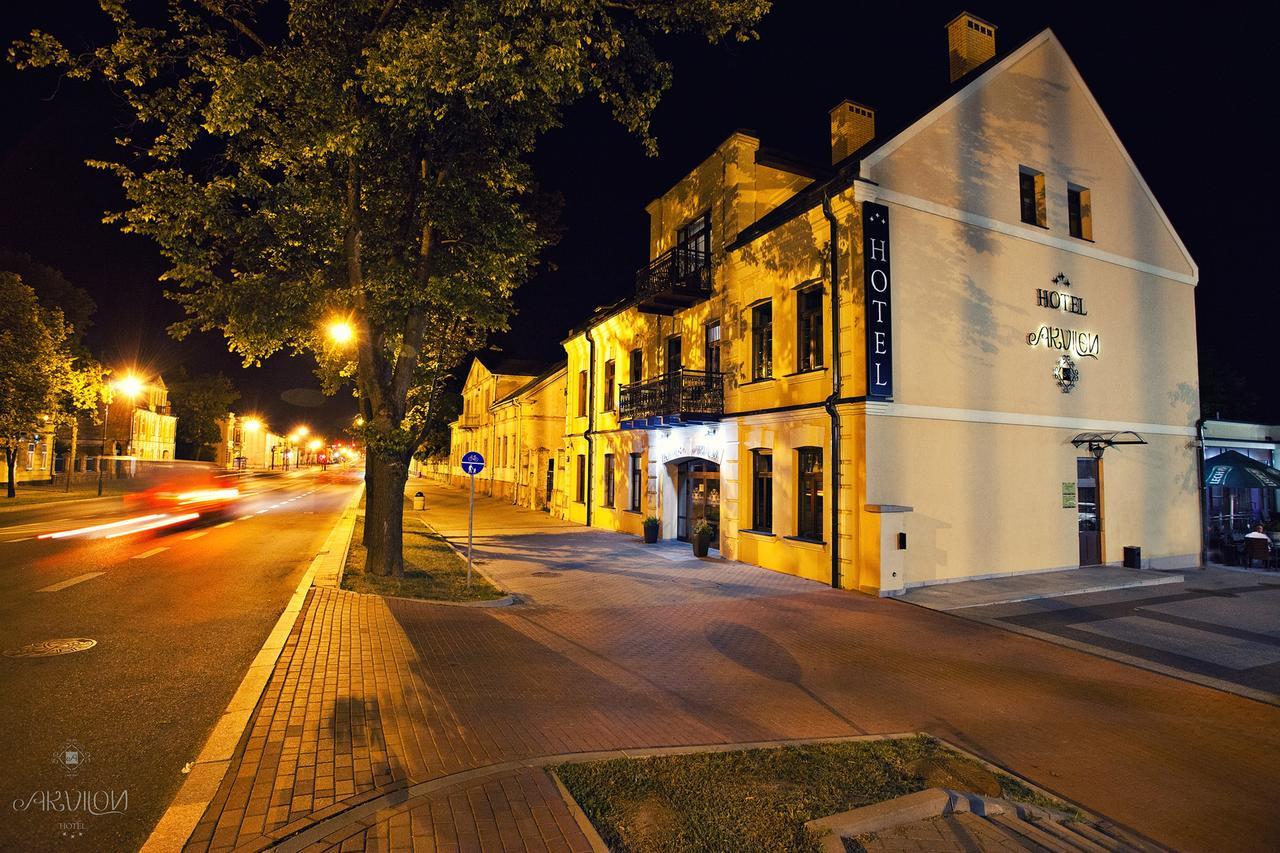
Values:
[(582, 478), (809, 328), (582, 393), (713, 347), (637, 482), (637, 366), (762, 489), (1079, 212), (809, 489), (696, 235), (608, 480), (1031, 195), (673, 354), (609, 375), (762, 341)]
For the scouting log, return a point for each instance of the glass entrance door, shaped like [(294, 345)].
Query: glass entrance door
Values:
[(698, 489), (1089, 510)]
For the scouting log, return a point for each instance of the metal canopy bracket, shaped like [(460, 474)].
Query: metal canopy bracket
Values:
[(1098, 442)]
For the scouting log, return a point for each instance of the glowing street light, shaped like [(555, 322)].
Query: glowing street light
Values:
[(130, 386), (302, 430), (252, 424), (341, 332)]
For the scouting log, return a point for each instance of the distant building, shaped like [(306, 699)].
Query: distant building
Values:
[(247, 443), (33, 461)]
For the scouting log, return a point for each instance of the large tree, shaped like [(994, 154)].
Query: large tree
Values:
[(199, 402), (34, 365), (364, 160)]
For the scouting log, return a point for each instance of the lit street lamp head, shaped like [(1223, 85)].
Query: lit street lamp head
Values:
[(341, 332), (252, 424), (130, 386)]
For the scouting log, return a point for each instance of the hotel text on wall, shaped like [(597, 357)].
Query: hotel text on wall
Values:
[(875, 259)]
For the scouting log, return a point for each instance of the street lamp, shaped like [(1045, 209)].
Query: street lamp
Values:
[(341, 332), (130, 386)]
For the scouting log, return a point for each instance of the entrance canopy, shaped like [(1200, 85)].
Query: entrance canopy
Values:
[(1231, 469), (1097, 442)]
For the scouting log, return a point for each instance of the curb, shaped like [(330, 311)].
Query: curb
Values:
[(183, 814), (475, 567)]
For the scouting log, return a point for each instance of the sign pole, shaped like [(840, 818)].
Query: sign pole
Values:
[(471, 526)]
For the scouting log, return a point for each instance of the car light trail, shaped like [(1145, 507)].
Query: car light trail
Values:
[(80, 531), (162, 521), (202, 495)]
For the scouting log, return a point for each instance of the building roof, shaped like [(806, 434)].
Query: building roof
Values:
[(532, 383), (500, 365)]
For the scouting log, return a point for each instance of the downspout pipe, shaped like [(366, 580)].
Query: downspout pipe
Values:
[(591, 420), (1204, 505), (834, 398)]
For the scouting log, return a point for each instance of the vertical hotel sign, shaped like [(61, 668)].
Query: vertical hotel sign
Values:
[(878, 299)]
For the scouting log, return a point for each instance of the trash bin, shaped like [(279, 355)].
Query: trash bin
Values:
[(1132, 557), (420, 502)]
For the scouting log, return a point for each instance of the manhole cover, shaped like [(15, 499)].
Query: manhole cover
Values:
[(49, 648), (546, 574)]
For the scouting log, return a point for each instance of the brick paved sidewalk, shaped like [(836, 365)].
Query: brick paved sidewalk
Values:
[(374, 699)]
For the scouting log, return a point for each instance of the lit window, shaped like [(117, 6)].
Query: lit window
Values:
[(1031, 196), (1079, 212)]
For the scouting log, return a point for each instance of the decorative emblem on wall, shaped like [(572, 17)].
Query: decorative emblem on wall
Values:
[(1061, 280), (1066, 374)]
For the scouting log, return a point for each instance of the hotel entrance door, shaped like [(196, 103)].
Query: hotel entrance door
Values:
[(1089, 510), (698, 488)]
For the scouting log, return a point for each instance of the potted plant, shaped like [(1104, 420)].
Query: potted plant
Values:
[(651, 526), (701, 537)]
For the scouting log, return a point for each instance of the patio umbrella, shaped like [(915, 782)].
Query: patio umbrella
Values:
[(1232, 470)]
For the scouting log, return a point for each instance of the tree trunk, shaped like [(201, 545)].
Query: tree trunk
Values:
[(11, 456), (384, 515), (71, 457), (371, 504)]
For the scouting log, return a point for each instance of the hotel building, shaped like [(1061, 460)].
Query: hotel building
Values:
[(964, 349)]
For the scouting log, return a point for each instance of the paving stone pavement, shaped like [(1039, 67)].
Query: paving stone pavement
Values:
[(374, 701)]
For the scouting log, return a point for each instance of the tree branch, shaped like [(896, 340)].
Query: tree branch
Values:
[(218, 9)]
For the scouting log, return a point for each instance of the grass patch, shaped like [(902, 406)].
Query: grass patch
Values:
[(431, 571), (755, 799)]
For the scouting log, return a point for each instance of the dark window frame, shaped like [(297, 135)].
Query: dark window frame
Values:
[(809, 493), (637, 482), (1031, 197), (809, 330), (582, 479), (610, 483), (762, 340), (610, 386), (762, 489), (582, 393), (679, 342), (636, 367), (1079, 212), (711, 348)]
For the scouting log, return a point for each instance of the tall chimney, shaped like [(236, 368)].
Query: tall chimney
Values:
[(971, 41), (853, 125)]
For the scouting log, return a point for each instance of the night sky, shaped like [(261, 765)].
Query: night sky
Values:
[(1189, 94)]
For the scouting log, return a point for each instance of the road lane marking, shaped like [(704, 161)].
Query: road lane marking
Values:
[(197, 534), (23, 539), (151, 553), (71, 582), (222, 525)]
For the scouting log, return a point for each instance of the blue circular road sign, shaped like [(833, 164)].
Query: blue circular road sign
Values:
[(472, 463)]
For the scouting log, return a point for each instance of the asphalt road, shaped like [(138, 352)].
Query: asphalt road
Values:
[(178, 615)]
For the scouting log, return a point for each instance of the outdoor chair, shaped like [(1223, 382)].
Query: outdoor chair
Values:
[(1257, 549)]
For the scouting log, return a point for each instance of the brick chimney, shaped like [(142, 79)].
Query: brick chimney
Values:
[(853, 125), (971, 41)]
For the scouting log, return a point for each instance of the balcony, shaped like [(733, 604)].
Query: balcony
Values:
[(468, 421), (674, 280), (673, 399)]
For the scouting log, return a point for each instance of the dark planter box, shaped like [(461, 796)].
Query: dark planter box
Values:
[(650, 534)]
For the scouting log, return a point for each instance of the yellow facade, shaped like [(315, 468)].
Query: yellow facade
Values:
[(968, 468)]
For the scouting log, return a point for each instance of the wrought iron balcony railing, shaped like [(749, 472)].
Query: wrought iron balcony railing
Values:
[(469, 421), (679, 397), (676, 279)]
